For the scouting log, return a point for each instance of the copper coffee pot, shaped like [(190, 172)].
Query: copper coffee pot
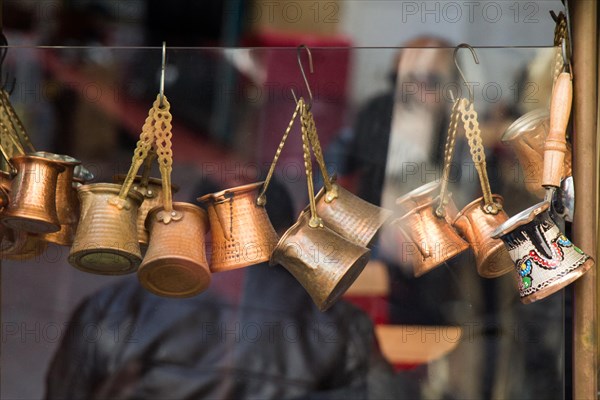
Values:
[(32, 203), (106, 238), (545, 260), (241, 231), (325, 263), (175, 262), (67, 202)]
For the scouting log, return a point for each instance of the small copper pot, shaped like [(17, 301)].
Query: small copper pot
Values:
[(106, 237), (350, 216), (475, 225), (419, 196), (431, 240), (153, 197), (16, 245), (241, 231), (32, 203), (527, 136), (67, 202), (175, 264), (325, 263), (545, 260)]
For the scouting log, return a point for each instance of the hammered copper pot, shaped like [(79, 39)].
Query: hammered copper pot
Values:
[(241, 231), (32, 203), (545, 260), (325, 263), (175, 263), (527, 136), (67, 202), (417, 197), (350, 216), (153, 197), (106, 237), (431, 240), (475, 225)]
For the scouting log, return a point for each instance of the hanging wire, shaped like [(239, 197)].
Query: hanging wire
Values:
[(162, 74), (312, 71), (460, 72)]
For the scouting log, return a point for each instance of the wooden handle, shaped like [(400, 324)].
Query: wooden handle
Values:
[(556, 143)]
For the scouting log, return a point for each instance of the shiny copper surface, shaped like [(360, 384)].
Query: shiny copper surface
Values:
[(175, 263), (106, 237), (153, 197), (67, 202), (350, 216), (32, 203), (475, 225), (417, 197), (431, 240), (527, 136), (241, 231), (325, 263)]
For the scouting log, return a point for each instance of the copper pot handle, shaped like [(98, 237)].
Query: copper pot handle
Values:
[(440, 211), (315, 221), (473, 133), (13, 170), (261, 200), (556, 145), (307, 118), (143, 146), (163, 135)]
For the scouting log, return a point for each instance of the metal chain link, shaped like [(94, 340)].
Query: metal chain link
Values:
[(448, 154), (473, 133)]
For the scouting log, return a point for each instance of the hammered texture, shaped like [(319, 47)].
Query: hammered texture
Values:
[(241, 232), (175, 263), (476, 226), (106, 237), (153, 197), (429, 240), (325, 263), (351, 217), (32, 202)]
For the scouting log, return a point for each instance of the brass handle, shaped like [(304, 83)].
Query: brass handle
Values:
[(262, 199), (315, 221), (440, 211), (556, 144)]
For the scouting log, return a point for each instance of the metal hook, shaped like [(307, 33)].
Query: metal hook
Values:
[(462, 75), (312, 71), (162, 74)]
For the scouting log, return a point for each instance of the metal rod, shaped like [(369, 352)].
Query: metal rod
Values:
[(584, 46)]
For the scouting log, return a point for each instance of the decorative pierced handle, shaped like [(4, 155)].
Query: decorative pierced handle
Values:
[(556, 145), (163, 134), (331, 190), (471, 124), (448, 154), (143, 146), (262, 199), (315, 221)]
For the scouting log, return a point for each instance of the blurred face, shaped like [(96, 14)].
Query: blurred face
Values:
[(423, 76)]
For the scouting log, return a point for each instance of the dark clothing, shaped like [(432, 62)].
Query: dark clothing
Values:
[(275, 344)]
